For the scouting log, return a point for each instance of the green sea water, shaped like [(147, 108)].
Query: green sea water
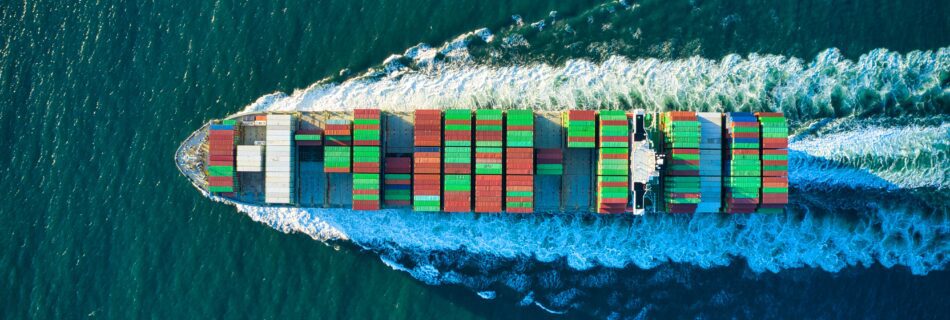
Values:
[(96, 96)]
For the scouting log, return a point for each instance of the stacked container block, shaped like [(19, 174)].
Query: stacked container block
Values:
[(457, 161), (366, 191), (489, 148), (427, 160), (682, 184), (338, 144), (774, 155), (519, 161), (279, 175), (366, 159), (710, 161), (613, 162), (581, 129), (366, 143), (550, 161), (519, 129), (397, 182), (221, 141), (519, 193), (742, 165), (309, 137)]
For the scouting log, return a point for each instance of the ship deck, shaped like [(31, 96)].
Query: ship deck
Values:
[(574, 191)]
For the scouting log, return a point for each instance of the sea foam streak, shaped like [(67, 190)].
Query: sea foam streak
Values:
[(766, 242), (880, 81)]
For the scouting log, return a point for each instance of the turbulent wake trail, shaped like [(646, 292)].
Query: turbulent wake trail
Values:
[(838, 149)]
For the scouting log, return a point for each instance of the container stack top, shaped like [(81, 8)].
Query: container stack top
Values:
[(774, 155), (520, 129), (681, 183), (337, 152), (458, 128), (581, 128), (427, 161), (550, 161), (742, 163), (279, 176), (221, 140), (398, 182)]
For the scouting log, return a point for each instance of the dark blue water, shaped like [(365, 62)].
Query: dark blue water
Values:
[(96, 97)]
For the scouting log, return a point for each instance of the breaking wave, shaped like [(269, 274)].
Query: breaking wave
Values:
[(885, 233), (879, 82)]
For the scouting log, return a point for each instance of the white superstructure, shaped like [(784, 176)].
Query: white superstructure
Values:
[(279, 159)]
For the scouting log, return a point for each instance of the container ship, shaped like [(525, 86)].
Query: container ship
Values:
[(495, 161)]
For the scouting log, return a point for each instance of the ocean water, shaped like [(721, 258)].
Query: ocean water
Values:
[(96, 97)]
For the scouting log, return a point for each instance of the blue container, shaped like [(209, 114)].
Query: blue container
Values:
[(227, 127)]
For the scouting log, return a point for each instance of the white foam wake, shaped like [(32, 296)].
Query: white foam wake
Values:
[(891, 237), (872, 156), (879, 81)]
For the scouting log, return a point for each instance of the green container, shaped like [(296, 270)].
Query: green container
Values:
[(458, 127), (398, 176), (220, 189), (458, 143), (488, 114), (745, 129), (519, 193), (457, 114), (371, 197), (308, 137), (220, 171), (366, 121), (552, 169)]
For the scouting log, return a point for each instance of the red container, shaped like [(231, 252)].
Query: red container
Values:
[(775, 151), (337, 127), (221, 163), (749, 201), (681, 208), (581, 114), (336, 170), (613, 123), (458, 168), (774, 173), (746, 124), (221, 181), (744, 134), (614, 138), (739, 151), (365, 142), (612, 184)]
